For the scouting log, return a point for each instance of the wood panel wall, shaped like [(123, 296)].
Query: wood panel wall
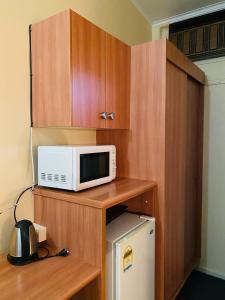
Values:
[(175, 177)]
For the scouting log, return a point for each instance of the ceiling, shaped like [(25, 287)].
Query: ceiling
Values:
[(156, 10)]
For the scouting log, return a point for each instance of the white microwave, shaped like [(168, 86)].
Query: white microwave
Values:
[(76, 167)]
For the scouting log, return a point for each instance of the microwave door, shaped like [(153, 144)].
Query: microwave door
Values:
[(94, 166)]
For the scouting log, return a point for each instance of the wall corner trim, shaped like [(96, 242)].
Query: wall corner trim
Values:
[(213, 273), (190, 14)]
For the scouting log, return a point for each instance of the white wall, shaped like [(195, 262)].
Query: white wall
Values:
[(160, 32), (213, 213)]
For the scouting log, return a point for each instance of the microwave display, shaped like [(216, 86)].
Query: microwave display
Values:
[(94, 166)]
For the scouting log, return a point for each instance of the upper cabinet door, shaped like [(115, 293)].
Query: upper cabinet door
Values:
[(81, 75), (51, 72), (117, 83), (88, 73)]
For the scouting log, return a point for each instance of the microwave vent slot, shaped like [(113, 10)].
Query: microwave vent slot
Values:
[(63, 178), (43, 176), (53, 177), (49, 177), (56, 177)]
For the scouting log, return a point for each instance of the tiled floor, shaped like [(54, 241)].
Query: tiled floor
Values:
[(200, 286)]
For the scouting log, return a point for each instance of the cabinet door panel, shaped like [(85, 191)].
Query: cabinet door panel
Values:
[(184, 124), (176, 94), (88, 73), (51, 71), (117, 82), (193, 167)]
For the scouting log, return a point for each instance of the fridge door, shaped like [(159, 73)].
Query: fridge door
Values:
[(135, 264), (116, 230)]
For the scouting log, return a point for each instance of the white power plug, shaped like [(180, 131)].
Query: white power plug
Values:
[(41, 232)]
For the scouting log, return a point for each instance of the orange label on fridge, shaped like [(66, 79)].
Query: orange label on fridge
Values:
[(127, 258)]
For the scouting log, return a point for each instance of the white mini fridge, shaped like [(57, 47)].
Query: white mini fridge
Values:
[(130, 258)]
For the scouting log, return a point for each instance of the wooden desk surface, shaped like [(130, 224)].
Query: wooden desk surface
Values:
[(52, 279), (103, 196)]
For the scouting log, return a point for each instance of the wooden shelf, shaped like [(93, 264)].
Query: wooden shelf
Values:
[(104, 196), (53, 278)]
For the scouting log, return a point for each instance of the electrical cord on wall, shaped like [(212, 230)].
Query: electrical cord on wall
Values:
[(31, 118), (64, 252), (17, 202), (30, 136), (32, 157), (18, 199), (31, 74)]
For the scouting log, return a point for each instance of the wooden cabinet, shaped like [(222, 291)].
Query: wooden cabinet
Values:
[(78, 221), (175, 160), (81, 75), (164, 144)]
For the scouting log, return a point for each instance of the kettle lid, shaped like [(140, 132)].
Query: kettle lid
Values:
[(23, 224)]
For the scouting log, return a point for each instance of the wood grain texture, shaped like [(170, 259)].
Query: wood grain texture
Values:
[(194, 154), (54, 279), (89, 292), (73, 220), (59, 216), (70, 225), (143, 204), (117, 82), (158, 147), (176, 57), (51, 71), (88, 43), (141, 150), (79, 71), (103, 196), (176, 119)]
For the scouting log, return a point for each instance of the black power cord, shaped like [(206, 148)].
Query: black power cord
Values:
[(64, 252), (31, 76), (18, 199)]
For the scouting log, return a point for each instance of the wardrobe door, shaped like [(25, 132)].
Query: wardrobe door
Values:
[(183, 177), (176, 98), (193, 174)]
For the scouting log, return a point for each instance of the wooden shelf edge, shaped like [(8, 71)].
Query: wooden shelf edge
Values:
[(83, 284), (103, 196)]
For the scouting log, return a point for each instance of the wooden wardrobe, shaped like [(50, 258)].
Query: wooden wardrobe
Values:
[(164, 144)]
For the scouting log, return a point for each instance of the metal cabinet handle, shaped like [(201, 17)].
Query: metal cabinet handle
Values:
[(111, 116), (103, 115)]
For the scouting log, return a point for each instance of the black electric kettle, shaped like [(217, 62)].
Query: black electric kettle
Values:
[(23, 247)]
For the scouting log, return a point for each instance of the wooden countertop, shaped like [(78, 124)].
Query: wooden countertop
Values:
[(103, 196), (52, 279)]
